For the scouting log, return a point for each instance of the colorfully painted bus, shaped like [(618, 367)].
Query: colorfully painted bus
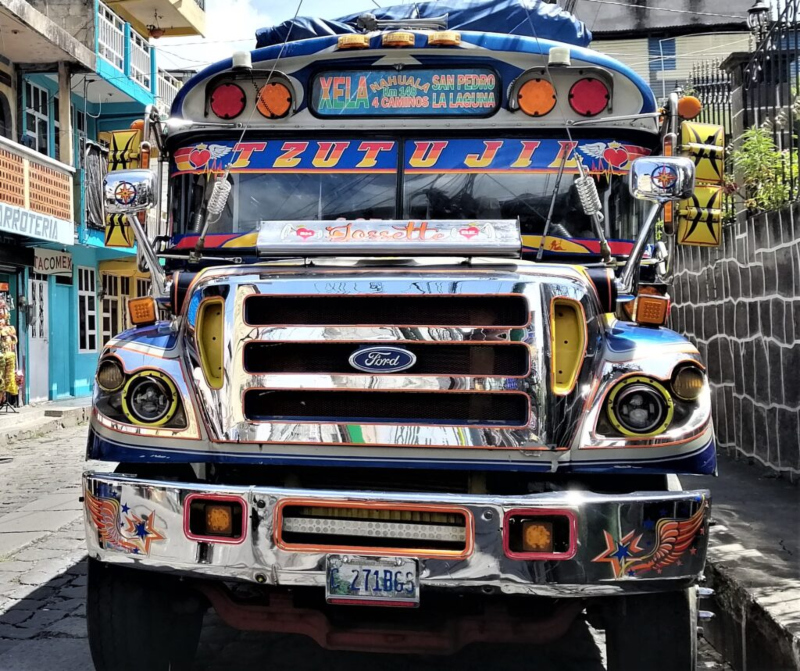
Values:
[(405, 382)]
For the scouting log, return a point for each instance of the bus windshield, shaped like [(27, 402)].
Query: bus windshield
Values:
[(416, 179)]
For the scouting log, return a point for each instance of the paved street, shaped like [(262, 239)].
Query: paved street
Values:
[(43, 580)]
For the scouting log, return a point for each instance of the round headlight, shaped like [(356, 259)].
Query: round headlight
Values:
[(688, 383), (150, 397), (110, 376), (640, 406)]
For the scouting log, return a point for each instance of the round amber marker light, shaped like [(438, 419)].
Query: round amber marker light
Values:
[(537, 536), (536, 97), (274, 100)]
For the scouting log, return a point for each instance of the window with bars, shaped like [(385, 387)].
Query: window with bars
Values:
[(87, 310), (142, 288), (111, 312), (37, 118)]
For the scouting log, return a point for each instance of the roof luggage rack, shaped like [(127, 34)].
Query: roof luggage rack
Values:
[(369, 23)]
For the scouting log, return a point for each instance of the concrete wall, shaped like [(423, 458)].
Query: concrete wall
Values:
[(74, 16), (740, 304)]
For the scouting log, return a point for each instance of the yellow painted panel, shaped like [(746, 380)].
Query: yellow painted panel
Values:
[(118, 232), (700, 217), (568, 343), (210, 332), (704, 143)]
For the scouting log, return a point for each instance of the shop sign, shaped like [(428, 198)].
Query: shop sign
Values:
[(50, 262), (18, 220)]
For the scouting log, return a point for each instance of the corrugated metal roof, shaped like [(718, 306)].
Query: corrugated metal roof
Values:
[(613, 17)]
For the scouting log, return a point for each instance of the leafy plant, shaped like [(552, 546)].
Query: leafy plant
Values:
[(765, 173)]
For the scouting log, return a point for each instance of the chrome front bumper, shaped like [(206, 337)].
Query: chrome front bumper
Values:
[(647, 541)]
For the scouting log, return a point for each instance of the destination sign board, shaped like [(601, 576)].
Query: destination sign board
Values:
[(417, 92)]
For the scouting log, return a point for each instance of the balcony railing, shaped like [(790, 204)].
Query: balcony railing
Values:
[(167, 90), (35, 182), (141, 53), (111, 37), (124, 48)]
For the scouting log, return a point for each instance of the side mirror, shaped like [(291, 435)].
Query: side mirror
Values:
[(662, 179), (129, 191)]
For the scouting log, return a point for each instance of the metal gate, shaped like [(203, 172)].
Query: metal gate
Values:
[(38, 338)]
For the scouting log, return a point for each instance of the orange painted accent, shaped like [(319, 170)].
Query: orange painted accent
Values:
[(371, 151), (427, 154), (329, 154), (568, 149), (290, 157), (422, 553), (484, 160), (244, 151), (526, 155)]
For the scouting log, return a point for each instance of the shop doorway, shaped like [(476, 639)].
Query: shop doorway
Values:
[(38, 338)]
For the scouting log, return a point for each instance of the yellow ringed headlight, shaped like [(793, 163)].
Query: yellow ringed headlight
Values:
[(638, 406), (149, 398)]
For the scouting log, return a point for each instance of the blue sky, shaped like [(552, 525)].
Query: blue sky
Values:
[(231, 26)]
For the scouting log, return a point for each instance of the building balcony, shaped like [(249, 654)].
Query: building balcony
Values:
[(168, 87), (176, 18), (126, 59), (37, 184)]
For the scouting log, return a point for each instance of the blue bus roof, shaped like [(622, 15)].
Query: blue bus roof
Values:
[(527, 18)]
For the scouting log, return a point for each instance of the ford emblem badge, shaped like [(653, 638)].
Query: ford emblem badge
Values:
[(382, 359)]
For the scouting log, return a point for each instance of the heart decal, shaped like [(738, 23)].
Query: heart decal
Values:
[(304, 233), (199, 157), (616, 157), (469, 232)]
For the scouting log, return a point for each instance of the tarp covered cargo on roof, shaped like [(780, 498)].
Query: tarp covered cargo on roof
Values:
[(531, 18)]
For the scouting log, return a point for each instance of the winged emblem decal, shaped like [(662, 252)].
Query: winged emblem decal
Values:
[(121, 528), (673, 537)]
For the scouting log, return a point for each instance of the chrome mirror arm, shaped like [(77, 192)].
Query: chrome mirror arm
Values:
[(626, 281), (157, 274)]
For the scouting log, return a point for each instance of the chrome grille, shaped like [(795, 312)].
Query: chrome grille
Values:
[(488, 311), (474, 359)]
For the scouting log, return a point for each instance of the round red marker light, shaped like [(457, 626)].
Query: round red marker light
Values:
[(228, 101), (589, 97)]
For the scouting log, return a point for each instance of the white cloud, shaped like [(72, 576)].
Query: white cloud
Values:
[(230, 26)]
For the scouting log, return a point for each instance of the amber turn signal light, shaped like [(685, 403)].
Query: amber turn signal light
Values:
[(689, 107), (537, 536), (214, 518), (142, 311), (651, 310), (540, 534), (536, 97)]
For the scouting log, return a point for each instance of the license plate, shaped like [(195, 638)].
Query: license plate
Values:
[(376, 581)]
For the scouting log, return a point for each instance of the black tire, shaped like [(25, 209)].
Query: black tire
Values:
[(139, 620), (657, 632)]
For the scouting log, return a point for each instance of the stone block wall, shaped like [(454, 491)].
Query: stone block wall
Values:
[(740, 304)]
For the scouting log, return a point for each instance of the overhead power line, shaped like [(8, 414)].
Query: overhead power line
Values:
[(620, 3)]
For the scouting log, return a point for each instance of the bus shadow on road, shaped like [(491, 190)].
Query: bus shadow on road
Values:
[(220, 646), (46, 625)]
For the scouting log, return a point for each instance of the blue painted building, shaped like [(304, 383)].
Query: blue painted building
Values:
[(68, 292)]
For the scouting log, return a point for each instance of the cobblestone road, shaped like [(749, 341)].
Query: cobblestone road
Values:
[(43, 583)]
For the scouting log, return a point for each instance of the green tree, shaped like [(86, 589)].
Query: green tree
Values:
[(764, 172)]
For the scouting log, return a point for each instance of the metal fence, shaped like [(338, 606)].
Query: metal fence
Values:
[(770, 88), (712, 86)]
